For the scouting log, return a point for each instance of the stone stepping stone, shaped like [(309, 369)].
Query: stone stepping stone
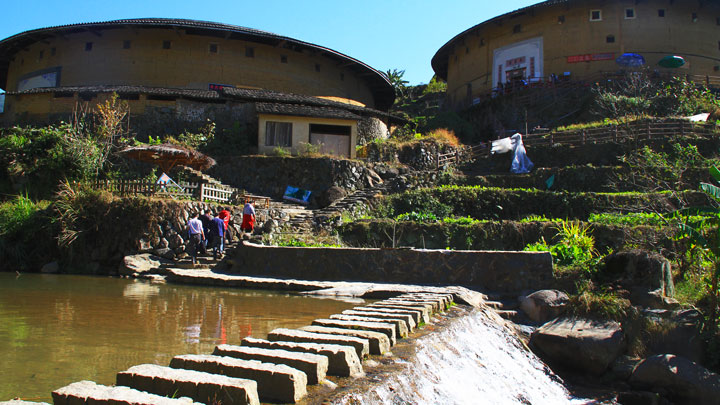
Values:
[(424, 311), (343, 361), (407, 319), (379, 342), (361, 346), (88, 392), (201, 387), (436, 306), (415, 315), (401, 329), (383, 327), (445, 299), (275, 382), (313, 365), (21, 402), (423, 304)]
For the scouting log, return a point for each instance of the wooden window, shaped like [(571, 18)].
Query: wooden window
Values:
[(610, 39), (694, 17), (166, 44), (213, 48), (629, 13), (41, 54), (595, 15), (482, 41), (561, 19), (88, 46), (249, 52), (283, 59), (661, 12), (278, 134), (126, 44), (517, 28)]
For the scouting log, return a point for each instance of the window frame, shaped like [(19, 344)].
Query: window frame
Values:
[(599, 12), (634, 14), (274, 138)]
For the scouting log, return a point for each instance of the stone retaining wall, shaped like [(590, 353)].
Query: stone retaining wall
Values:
[(485, 270)]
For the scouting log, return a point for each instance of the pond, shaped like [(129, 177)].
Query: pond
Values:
[(59, 329)]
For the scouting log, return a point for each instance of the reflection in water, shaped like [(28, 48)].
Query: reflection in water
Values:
[(55, 330)]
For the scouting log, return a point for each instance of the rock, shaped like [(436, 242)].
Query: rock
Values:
[(331, 195), (165, 253), (580, 344), (164, 244), (640, 398), (175, 240), (50, 268), (624, 366), (675, 332), (139, 264), (144, 245), (270, 226), (544, 305), (637, 270), (679, 377)]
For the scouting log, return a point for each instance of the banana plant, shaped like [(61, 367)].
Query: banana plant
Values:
[(704, 231)]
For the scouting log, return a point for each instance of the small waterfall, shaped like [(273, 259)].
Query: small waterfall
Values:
[(473, 360)]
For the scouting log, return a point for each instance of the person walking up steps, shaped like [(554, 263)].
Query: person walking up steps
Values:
[(248, 221), (196, 236)]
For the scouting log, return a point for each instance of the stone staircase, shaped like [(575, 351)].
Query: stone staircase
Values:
[(277, 369), (196, 176)]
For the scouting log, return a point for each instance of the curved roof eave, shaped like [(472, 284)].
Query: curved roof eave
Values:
[(439, 61), (377, 81)]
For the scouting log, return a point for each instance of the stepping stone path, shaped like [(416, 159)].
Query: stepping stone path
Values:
[(275, 370)]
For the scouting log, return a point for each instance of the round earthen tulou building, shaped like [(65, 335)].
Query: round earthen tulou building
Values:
[(177, 74), (559, 41)]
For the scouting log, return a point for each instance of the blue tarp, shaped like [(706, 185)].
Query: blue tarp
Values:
[(297, 195)]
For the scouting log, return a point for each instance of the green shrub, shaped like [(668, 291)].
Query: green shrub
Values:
[(598, 303), (574, 247), (280, 151), (461, 220)]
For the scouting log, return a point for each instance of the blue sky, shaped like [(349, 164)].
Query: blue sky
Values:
[(390, 34)]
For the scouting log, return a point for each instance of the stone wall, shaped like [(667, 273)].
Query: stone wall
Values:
[(485, 270), (420, 155), (371, 128), (270, 175)]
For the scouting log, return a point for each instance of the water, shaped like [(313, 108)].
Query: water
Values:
[(471, 360), (55, 330)]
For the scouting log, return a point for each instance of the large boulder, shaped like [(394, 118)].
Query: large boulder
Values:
[(675, 332), (580, 344), (646, 275), (331, 195), (679, 378), (544, 305), (135, 265)]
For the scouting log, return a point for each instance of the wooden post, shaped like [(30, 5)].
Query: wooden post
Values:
[(552, 142), (615, 133), (202, 191), (584, 137), (649, 137)]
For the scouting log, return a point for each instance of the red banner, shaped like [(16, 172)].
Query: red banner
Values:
[(594, 57)]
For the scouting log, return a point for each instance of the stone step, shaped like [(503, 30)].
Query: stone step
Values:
[(508, 314), (424, 311), (435, 306), (313, 365), (275, 382), (201, 387), (446, 299), (415, 315), (343, 361), (88, 392), (401, 329), (383, 327), (379, 342), (21, 402), (361, 346), (405, 318)]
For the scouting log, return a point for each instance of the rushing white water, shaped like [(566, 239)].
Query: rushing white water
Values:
[(472, 361)]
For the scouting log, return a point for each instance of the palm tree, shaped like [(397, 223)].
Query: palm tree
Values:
[(396, 80)]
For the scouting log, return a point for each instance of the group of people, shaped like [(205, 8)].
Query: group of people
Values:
[(211, 231)]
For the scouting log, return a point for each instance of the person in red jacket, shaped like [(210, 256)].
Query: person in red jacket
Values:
[(225, 215)]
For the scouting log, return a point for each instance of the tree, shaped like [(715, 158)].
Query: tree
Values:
[(396, 80), (705, 233)]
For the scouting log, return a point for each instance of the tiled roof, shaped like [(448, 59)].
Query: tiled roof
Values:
[(376, 80), (272, 102), (299, 110), (121, 90)]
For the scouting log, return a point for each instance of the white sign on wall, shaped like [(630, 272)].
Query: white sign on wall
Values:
[(519, 61)]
